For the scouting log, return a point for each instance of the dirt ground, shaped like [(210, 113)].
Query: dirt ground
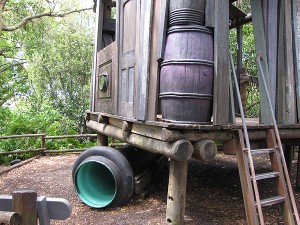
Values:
[(214, 195)]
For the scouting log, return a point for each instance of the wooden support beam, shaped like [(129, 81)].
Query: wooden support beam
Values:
[(102, 140), (205, 150), (286, 96), (24, 202), (296, 43), (221, 69), (261, 50), (10, 218), (176, 192), (180, 150), (272, 43), (298, 172)]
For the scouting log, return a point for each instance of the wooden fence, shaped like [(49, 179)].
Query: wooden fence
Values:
[(43, 137)]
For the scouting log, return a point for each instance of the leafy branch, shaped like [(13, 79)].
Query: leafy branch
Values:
[(28, 19)]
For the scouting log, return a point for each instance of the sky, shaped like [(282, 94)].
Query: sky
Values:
[(86, 3)]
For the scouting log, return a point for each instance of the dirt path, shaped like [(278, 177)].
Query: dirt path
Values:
[(213, 194)]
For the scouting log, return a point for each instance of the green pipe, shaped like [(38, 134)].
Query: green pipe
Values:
[(96, 181)]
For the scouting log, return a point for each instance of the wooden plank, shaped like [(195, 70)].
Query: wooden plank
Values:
[(97, 47), (277, 165), (210, 13), (128, 54), (221, 71), (286, 103), (163, 29), (261, 50), (141, 99), (272, 34), (239, 65), (298, 172), (176, 192), (156, 48), (280, 103), (296, 43), (103, 99), (24, 202), (180, 150), (289, 59), (245, 179)]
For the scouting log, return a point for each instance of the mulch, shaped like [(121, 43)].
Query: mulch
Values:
[(214, 195)]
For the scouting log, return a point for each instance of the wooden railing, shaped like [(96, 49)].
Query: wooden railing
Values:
[(43, 137)]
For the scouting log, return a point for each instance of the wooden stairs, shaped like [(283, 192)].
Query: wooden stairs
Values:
[(284, 196)]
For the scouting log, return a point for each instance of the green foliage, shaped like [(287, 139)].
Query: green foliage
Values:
[(45, 70), (32, 120), (248, 60)]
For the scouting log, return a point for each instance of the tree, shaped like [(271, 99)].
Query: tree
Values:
[(16, 14), (17, 19), (62, 73)]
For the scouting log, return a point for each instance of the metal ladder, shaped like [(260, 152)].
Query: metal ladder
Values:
[(285, 196)]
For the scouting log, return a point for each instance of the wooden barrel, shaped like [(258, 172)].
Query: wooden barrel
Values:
[(185, 12), (186, 78), (190, 4)]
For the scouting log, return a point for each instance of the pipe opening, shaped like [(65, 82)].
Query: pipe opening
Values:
[(95, 184)]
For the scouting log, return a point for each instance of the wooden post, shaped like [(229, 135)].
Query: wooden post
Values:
[(298, 171), (10, 218), (261, 49), (43, 141), (24, 202), (221, 106), (102, 140), (176, 192)]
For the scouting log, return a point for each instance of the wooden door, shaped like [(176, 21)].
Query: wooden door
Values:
[(128, 42)]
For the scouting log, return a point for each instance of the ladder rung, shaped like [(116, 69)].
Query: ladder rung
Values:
[(262, 151), (263, 176), (272, 201)]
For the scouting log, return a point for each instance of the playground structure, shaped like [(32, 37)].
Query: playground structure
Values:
[(162, 83)]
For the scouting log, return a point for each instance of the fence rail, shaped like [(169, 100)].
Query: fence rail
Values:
[(44, 138)]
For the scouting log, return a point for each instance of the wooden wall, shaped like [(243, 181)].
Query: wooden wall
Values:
[(296, 27)]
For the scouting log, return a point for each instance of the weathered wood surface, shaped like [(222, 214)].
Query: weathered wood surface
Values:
[(158, 34), (261, 50), (286, 108), (221, 58), (205, 150), (296, 42), (180, 150), (271, 36), (209, 13), (97, 48), (176, 192), (237, 143), (281, 188), (162, 29), (103, 98), (24, 202), (298, 173), (127, 44), (190, 4), (37, 150), (142, 91), (10, 218), (289, 59)]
